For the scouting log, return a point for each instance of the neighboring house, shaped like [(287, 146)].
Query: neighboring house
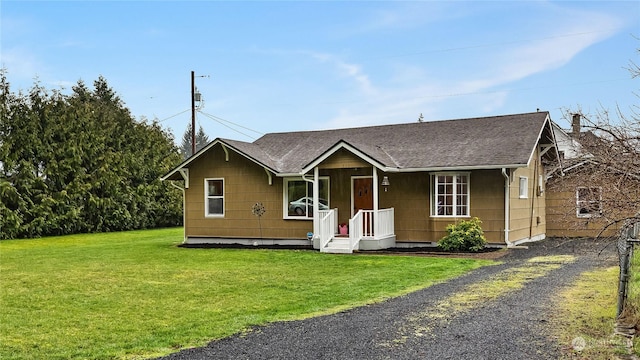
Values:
[(391, 186), (583, 200)]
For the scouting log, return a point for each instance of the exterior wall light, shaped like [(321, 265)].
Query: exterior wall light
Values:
[(385, 183)]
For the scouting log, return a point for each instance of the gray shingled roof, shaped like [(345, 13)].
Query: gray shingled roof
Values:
[(488, 142)]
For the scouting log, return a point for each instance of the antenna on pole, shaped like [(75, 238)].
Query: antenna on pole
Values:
[(195, 96), (193, 113)]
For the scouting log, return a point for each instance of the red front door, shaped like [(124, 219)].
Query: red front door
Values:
[(363, 200), (362, 194)]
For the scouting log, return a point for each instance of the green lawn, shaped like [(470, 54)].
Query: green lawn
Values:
[(587, 310), (137, 295)]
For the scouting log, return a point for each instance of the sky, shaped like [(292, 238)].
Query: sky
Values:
[(279, 66)]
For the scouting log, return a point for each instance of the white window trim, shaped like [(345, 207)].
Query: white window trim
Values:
[(433, 196), (583, 216), (285, 200), (541, 185), (523, 190), (207, 197)]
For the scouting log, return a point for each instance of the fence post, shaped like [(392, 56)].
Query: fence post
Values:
[(627, 239)]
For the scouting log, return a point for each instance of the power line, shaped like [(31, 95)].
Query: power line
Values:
[(224, 122), (172, 116), (232, 123)]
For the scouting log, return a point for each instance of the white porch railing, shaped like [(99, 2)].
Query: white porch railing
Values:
[(323, 213), (386, 224), (328, 226), (355, 230), (361, 226)]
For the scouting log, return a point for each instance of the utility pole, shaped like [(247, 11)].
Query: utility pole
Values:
[(193, 113)]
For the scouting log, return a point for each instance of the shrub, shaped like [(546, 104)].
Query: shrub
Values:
[(466, 235)]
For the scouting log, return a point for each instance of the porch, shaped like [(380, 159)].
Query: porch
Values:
[(367, 230)]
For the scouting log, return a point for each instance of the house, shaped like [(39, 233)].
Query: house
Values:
[(586, 197), (372, 187)]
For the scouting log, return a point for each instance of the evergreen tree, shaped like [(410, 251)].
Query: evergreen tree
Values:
[(81, 163), (201, 141)]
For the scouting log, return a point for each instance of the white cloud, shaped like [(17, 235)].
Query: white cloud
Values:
[(399, 15), (351, 71), (557, 46), (578, 31)]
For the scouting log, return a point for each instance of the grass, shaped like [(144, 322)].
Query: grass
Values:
[(137, 295), (585, 321)]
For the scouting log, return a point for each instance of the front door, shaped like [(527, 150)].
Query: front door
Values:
[(362, 194), (363, 200)]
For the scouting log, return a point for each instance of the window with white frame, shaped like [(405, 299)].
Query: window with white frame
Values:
[(588, 202), (298, 197), (540, 185), (450, 195), (524, 187), (214, 197)]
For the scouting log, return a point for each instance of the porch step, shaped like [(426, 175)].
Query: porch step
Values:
[(338, 246)]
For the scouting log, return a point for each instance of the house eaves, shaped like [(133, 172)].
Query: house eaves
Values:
[(546, 126), (247, 150), (506, 141)]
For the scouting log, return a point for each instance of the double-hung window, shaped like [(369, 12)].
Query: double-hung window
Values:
[(298, 197), (588, 202), (450, 195), (213, 197)]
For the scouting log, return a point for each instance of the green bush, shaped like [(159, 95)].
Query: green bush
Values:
[(466, 235)]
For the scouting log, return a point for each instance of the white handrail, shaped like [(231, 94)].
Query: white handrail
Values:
[(355, 230), (386, 225), (327, 226)]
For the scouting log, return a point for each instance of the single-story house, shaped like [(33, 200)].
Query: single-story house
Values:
[(371, 187)]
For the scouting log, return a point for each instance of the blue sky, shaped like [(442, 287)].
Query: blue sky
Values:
[(302, 65)]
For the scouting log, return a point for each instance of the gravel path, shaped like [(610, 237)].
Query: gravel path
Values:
[(471, 317)]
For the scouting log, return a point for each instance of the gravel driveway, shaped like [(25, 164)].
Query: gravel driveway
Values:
[(495, 312)]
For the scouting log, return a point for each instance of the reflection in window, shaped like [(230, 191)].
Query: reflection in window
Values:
[(299, 197)]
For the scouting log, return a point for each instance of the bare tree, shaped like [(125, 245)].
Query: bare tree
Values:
[(597, 189)]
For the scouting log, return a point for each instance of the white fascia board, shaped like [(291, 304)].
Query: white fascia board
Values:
[(226, 146), (459, 168), (547, 122), (191, 158)]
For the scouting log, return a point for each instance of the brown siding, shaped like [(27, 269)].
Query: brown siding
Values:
[(561, 206), (245, 184), (343, 159), (527, 215), (409, 195)]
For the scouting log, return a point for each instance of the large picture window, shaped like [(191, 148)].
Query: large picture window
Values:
[(298, 197), (214, 197), (588, 201), (450, 195)]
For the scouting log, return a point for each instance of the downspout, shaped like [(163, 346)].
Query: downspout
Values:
[(184, 211), (316, 192), (506, 207)]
